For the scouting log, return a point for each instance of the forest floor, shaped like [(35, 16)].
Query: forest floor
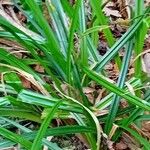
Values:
[(119, 15)]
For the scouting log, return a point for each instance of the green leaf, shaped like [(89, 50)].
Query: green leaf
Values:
[(82, 27), (120, 43), (134, 114), (14, 123), (60, 24), (20, 113), (101, 18), (52, 132), (93, 29), (16, 138), (120, 83), (70, 41), (45, 101), (38, 139), (13, 80), (106, 101), (67, 8), (50, 145), (96, 5), (14, 61), (52, 43), (113, 88), (139, 43), (143, 141)]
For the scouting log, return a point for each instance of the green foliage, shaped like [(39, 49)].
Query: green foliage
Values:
[(51, 44)]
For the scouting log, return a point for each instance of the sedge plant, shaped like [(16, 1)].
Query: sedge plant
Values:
[(50, 43)]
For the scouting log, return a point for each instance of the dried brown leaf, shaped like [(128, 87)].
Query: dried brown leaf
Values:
[(39, 68), (146, 64), (121, 146)]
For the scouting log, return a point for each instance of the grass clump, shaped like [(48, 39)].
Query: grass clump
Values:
[(64, 49)]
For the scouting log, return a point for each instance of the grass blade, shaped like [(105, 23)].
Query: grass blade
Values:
[(113, 88), (96, 5), (105, 102), (50, 145), (52, 132), (16, 138), (143, 141), (93, 29), (16, 124), (139, 43), (45, 101), (82, 26), (71, 37), (38, 139), (20, 114), (120, 83), (59, 23), (132, 117), (120, 43), (14, 61)]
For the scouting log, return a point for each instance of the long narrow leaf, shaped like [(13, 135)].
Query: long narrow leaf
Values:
[(113, 88), (143, 141), (16, 138), (120, 43), (120, 84), (51, 132), (70, 42), (132, 116), (38, 139)]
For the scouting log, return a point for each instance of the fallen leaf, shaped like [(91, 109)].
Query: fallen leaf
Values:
[(25, 83), (88, 90), (130, 142), (121, 146), (146, 63), (39, 68), (6, 2), (110, 12)]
